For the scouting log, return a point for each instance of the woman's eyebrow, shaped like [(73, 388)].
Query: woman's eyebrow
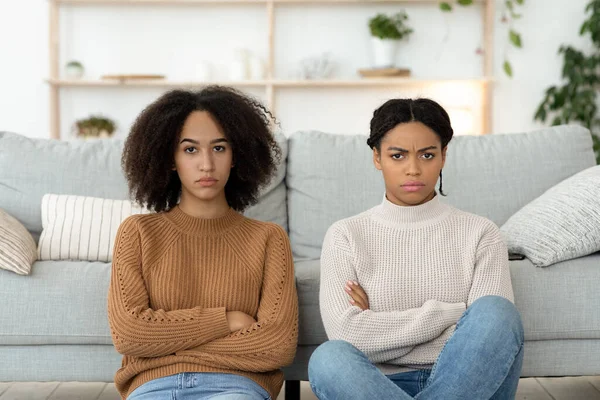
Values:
[(406, 151)]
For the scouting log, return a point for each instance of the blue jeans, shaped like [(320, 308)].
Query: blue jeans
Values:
[(200, 386), (481, 361)]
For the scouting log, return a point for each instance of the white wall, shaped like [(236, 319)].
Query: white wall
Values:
[(172, 40)]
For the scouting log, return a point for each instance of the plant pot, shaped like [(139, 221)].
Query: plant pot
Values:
[(74, 71), (384, 52)]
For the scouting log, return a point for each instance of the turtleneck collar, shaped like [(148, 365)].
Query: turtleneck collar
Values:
[(203, 226), (412, 216)]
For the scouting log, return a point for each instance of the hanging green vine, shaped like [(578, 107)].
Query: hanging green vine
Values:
[(576, 99), (509, 16)]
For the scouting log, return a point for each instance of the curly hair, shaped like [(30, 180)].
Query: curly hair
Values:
[(399, 111), (148, 154)]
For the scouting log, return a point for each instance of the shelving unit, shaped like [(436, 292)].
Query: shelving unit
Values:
[(340, 83), (270, 84)]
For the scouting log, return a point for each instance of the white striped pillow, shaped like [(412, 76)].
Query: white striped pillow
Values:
[(81, 228), (17, 247)]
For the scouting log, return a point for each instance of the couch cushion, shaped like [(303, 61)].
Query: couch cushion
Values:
[(561, 358), (310, 325), (62, 363), (65, 303), (496, 175), (60, 302), (31, 168), (561, 301), (272, 205), (331, 177)]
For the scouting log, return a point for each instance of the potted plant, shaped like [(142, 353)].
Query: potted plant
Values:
[(74, 70), (575, 99), (387, 31), (95, 127)]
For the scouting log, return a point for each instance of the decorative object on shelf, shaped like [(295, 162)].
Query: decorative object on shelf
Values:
[(203, 71), (577, 99), (96, 126), (384, 72), (509, 15), (317, 67), (74, 70), (239, 66), (387, 31), (132, 77), (256, 67)]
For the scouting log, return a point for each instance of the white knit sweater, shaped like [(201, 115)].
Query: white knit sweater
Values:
[(420, 266)]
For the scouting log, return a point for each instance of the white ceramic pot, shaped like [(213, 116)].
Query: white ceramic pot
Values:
[(239, 66), (384, 52), (202, 72), (74, 71), (256, 68)]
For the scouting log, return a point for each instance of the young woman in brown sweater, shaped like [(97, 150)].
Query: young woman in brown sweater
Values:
[(202, 300)]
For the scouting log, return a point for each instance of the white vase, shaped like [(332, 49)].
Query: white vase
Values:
[(239, 66), (202, 72), (384, 52), (256, 68)]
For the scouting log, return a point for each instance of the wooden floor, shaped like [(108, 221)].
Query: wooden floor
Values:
[(570, 388)]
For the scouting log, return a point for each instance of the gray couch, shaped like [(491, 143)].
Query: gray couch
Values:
[(53, 323)]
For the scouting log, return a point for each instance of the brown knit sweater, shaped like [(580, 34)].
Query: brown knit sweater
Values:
[(173, 279)]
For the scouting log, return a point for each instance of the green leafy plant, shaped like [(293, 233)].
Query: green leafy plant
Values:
[(392, 27), (576, 99), (76, 64), (95, 126), (446, 6), (509, 15)]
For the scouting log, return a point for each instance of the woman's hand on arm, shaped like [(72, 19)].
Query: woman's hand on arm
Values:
[(358, 296), (238, 320)]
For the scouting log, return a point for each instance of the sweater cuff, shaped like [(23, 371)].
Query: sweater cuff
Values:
[(452, 312), (213, 322)]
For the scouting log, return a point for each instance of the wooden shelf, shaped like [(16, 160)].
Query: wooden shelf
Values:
[(158, 2), (193, 2), (365, 82), (147, 83), (370, 82), (360, 1)]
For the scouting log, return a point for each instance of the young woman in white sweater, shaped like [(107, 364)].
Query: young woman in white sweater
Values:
[(416, 295)]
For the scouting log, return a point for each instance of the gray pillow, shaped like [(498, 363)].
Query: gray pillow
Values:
[(561, 224)]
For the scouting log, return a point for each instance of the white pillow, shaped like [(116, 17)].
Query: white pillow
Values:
[(561, 224), (17, 247), (81, 228)]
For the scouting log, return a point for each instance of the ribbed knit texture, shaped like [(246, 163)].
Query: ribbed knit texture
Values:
[(420, 266), (174, 277)]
